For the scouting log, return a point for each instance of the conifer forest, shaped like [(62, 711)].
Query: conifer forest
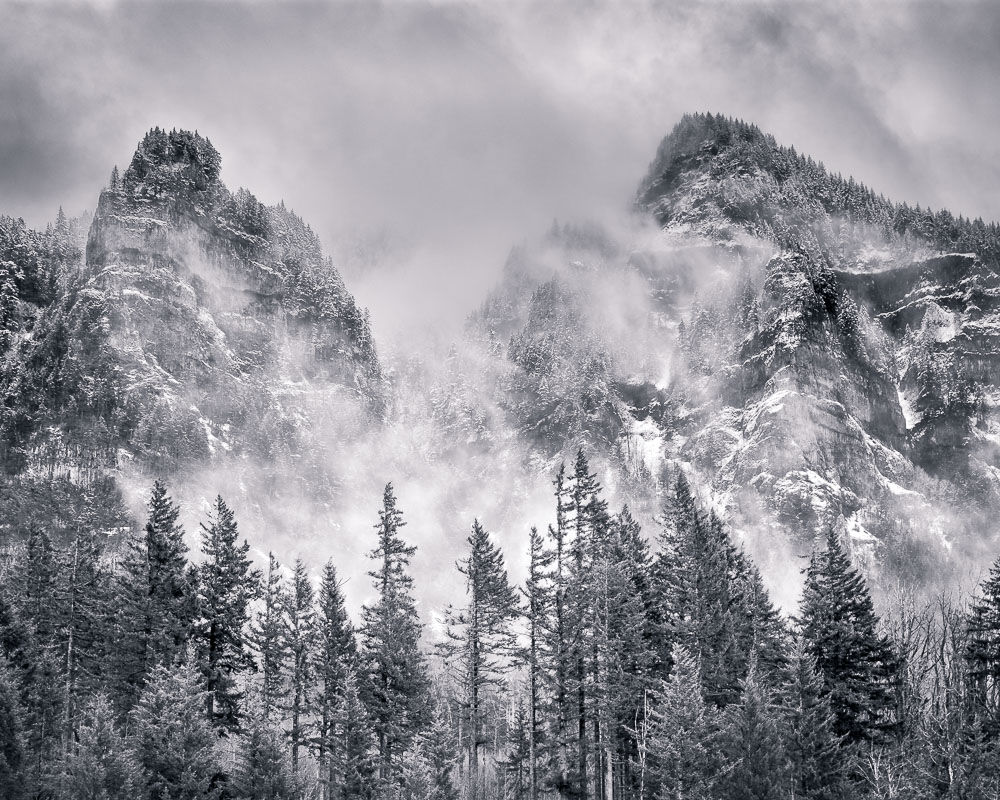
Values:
[(499, 401)]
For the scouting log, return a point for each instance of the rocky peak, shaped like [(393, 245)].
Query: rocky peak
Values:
[(180, 161)]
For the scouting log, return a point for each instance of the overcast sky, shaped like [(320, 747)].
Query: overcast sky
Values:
[(466, 128)]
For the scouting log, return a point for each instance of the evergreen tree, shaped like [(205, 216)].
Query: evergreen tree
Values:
[(983, 650), (173, 743), (100, 766), (359, 768), (557, 642), (299, 642), (840, 630), (480, 637), (625, 659), (227, 585), (396, 684), (262, 772), (334, 663), (428, 770), (684, 752), (12, 740), (268, 641), (83, 632), (815, 758), (538, 596), (157, 598), (753, 745)]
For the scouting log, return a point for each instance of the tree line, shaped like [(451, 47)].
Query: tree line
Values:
[(620, 668)]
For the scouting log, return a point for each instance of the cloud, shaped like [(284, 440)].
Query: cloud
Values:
[(467, 127)]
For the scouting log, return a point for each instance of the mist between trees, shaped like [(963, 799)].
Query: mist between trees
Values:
[(625, 666)]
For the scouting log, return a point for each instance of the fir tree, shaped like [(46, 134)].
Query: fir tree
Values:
[(12, 741), (685, 759), (334, 662), (428, 771), (268, 641), (396, 683), (538, 596), (479, 636), (358, 767), (753, 745), (173, 743), (299, 641), (227, 585), (983, 651), (816, 761), (840, 630), (100, 765), (156, 596), (262, 772), (557, 641)]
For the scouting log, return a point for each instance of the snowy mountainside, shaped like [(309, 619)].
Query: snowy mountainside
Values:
[(816, 355), (197, 329)]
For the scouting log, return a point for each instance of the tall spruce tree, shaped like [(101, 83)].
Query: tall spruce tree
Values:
[(557, 643), (268, 641), (480, 638), (299, 642), (395, 689), (334, 664), (227, 583), (12, 740), (982, 653), (684, 749), (172, 742), (100, 764), (753, 746), (625, 658), (156, 595), (816, 761), (841, 631), (537, 594), (262, 770)]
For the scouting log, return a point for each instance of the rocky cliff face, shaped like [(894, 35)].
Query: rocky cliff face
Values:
[(197, 327), (816, 354)]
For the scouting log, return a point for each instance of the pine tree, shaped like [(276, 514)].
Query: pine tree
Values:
[(815, 758), (625, 658), (557, 641), (334, 663), (262, 772), (983, 650), (83, 629), (359, 768), (12, 740), (173, 743), (480, 637), (42, 699), (753, 745), (100, 764), (538, 596), (685, 759), (227, 585), (157, 598), (840, 630), (396, 684), (591, 532), (299, 641), (428, 771), (268, 641)]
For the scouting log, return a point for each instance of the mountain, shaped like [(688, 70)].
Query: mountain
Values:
[(196, 325), (816, 354), (810, 353)]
